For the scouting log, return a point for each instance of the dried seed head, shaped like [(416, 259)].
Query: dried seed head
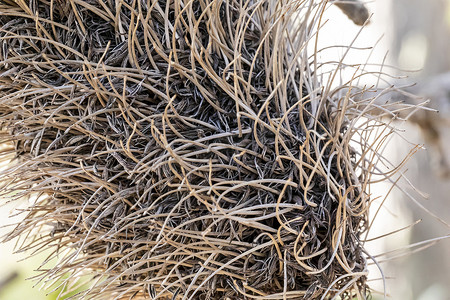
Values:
[(184, 149)]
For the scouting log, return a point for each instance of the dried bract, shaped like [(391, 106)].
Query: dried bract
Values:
[(184, 149)]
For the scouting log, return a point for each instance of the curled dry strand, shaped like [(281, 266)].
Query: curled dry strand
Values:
[(184, 150)]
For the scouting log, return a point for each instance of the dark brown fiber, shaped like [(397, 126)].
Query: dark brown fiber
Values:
[(185, 149)]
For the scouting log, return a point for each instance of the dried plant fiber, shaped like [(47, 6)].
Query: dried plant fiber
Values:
[(184, 149)]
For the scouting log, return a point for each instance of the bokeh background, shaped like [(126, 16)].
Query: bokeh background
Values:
[(411, 35)]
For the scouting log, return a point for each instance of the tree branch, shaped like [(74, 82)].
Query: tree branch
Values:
[(355, 10)]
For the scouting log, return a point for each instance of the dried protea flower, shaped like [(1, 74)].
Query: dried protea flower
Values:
[(185, 149)]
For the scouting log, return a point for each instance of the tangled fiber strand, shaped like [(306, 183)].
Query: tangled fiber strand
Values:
[(184, 149)]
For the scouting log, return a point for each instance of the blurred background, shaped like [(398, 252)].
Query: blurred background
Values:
[(410, 35)]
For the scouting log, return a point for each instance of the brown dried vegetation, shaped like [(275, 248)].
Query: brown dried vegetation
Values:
[(185, 149)]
